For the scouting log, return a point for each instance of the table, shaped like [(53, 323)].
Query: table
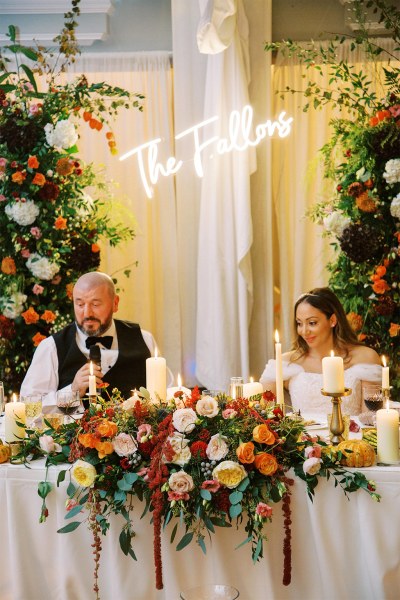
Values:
[(347, 550)]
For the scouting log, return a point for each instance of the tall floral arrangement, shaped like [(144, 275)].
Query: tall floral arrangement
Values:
[(54, 208), (362, 158)]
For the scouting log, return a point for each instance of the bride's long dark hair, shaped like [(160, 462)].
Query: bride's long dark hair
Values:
[(329, 304)]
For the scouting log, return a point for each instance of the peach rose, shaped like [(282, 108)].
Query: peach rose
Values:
[(217, 447), (394, 329), (18, 177), (60, 223), (245, 453), (48, 316), (184, 420), (106, 428), (181, 482), (266, 463), (263, 435), (39, 179), (104, 448), (33, 162), (88, 440), (380, 286), (207, 406), (124, 444), (37, 338)]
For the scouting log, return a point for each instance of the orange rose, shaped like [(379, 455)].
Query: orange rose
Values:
[(69, 289), (394, 329), (48, 316), (39, 179), (381, 271), (64, 166), (8, 266), (104, 448), (380, 286), (373, 121), (37, 338), (263, 435), (33, 162), (245, 453), (106, 428), (30, 316), (18, 177), (361, 337), (365, 203), (60, 223), (266, 463), (88, 440), (355, 320), (95, 248)]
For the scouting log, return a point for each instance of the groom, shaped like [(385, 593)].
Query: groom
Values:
[(61, 361)]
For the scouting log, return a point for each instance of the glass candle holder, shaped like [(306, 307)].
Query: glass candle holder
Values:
[(236, 388)]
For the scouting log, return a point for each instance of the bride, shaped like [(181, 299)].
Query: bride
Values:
[(321, 326)]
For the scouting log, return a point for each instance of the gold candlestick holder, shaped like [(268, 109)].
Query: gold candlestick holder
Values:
[(336, 426)]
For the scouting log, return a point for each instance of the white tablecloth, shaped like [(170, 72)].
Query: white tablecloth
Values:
[(347, 550)]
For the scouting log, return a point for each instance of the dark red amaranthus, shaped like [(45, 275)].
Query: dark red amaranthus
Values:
[(287, 542)]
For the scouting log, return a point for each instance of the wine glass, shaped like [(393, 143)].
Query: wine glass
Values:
[(372, 395), (68, 403), (33, 407)]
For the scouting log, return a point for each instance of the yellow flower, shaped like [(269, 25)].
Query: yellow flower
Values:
[(229, 473), (83, 473)]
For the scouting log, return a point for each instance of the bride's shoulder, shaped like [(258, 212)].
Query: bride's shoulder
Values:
[(289, 356), (364, 354)]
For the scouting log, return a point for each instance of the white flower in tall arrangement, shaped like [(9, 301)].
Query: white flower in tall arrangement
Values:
[(395, 207), (13, 304), (61, 135), (23, 212), (392, 171), (336, 222), (42, 267)]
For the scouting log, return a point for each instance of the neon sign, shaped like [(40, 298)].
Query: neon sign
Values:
[(240, 137)]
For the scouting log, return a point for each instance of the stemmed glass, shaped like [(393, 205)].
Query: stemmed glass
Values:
[(33, 407), (68, 403)]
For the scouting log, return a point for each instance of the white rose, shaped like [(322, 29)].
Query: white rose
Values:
[(392, 171), (395, 207), (129, 403), (13, 305), (181, 448), (207, 406), (41, 267), (217, 447), (124, 444), (23, 213), (181, 482), (336, 222), (184, 420), (312, 465)]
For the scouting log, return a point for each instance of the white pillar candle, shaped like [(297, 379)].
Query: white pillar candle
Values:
[(156, 378), (385, 375), (278, 370), (252, 388), (92, 381), (332, 374), (387, 428), (14, 414)]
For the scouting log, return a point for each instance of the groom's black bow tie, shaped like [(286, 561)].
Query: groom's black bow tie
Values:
[(105, 340)]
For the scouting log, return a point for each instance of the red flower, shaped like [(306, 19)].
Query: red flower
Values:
[(198, 449), (204, 435)]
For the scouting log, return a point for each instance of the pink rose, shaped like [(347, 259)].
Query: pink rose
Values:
[(211, 485), (124, 444), (263, 510), (229, 413), (177, 496), (217, 447), (33, 109), (3, 162), (37, 289), (312, 451), (36, 233), (143, 432), (48, 445), (312, 465), (181, 482), (25, 253), (2, 198)]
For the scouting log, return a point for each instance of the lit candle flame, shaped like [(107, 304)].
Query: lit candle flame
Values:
[(332, 353), (251, 379), (276, 336), (14, 397), (179, 381), (384, 361), (156, 352)]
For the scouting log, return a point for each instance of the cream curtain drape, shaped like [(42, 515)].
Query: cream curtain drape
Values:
[(298, 180)]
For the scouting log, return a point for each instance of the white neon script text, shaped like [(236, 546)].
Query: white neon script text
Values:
[(239, 137)]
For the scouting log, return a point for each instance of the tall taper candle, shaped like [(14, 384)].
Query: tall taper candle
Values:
[(278, 370), (14, 412), (92, 381), (387, 433), (385, 375), (156, 378)]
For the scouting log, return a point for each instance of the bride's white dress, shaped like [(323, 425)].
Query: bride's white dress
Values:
[(305, 388)]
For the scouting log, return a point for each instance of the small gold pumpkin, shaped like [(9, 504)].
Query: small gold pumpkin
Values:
[(356, 453), (4, 452)]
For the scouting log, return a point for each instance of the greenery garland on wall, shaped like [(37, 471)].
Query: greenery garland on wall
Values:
[(363, 159), (54, 208)]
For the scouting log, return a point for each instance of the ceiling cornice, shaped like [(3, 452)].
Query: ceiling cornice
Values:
[(48, 7)]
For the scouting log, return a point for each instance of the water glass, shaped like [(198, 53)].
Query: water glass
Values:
[(2, 400), (210, 592), (33, 407)]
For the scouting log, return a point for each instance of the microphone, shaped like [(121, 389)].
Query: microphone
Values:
[(95, 354)]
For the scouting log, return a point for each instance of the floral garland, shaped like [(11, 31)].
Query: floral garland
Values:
[(50, 226), (202, 461)]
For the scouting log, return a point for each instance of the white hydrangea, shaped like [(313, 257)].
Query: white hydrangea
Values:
[(13, 304), (84, 209), (395, 207), (392, 171), (42, 267), (23, 213), (62, 135), (336, 222)]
